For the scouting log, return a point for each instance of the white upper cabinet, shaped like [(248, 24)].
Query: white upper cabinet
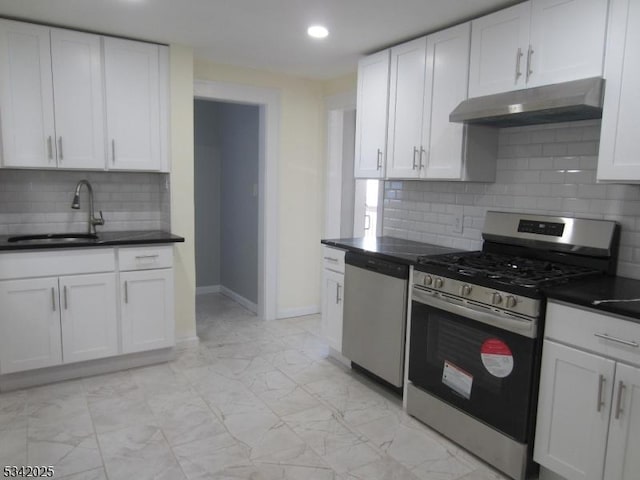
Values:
[(52, 98), (26, 96), (445, 155), (429, 78), (537, 43), (499, 45), (132, 77), (78, 99), (619, 158), (406, 119), (371, 115), (567, 40)]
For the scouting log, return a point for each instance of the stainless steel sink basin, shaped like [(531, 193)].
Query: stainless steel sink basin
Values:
[(54, 238)]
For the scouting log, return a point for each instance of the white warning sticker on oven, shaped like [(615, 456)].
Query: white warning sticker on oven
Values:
[(457, 379), (497, 357)]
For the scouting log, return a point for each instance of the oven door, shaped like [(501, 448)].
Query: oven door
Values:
[(481, 369)]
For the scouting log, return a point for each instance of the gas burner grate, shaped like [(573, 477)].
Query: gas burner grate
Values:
[(505, 269)]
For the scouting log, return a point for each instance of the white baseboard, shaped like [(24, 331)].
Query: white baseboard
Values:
[(298, 312), (187, 341), (204, 290), (248, 304), (59, 373)]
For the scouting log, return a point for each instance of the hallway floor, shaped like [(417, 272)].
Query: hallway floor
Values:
[(253, 400)]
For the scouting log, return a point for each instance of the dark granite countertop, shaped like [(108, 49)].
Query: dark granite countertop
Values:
[(584, 293), (389, 248), (105, 239)]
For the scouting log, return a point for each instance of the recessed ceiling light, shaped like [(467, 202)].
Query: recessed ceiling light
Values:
[(317, 31)]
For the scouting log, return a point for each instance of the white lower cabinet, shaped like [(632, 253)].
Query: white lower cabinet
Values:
[(61, 307), (147, 310), (50, 321), (333, 290), (588, 425), (29, 325), (88, 317), (332, 296)]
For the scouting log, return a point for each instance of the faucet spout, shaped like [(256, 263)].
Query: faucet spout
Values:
[(92, 221)]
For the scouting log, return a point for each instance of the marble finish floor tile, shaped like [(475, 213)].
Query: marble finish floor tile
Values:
[(253, 400)]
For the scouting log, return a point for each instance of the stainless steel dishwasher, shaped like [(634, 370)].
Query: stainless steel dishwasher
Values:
[(375, 310)]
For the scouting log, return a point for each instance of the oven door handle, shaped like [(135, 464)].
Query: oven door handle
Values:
[(521, 327)]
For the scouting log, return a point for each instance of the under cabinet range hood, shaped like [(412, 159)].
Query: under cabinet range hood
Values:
[(560, 102)]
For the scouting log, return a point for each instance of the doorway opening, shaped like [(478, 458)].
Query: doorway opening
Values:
[(226, 199), (267, 102), (353, 206)]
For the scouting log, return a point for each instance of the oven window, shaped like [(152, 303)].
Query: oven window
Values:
[(483, 370)]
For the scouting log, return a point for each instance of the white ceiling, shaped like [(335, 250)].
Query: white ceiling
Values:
[(264, 34)]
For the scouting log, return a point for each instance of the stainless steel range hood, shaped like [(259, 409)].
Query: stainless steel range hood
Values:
[(561, 102)]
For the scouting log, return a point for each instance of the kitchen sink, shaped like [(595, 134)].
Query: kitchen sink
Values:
[(54, 238)]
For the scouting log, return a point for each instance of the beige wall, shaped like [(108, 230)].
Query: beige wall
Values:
[(301, 170), (182, 203)]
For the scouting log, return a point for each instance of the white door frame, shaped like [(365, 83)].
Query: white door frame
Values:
[(268, 101), (336, 107)]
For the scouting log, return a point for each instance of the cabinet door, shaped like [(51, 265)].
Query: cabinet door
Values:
[(146, 299), (26, 96), (332, 296), (573, 412), (78, 93), (406, 97), (623, 461), (446, 87), (619, 157), (499, 44), (371, 115), (567, 40), (133, 104), (29, 324), (89, 317)]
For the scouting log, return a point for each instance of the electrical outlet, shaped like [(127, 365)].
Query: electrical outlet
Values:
[(458, 222)]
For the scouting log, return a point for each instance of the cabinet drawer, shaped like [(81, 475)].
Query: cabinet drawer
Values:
[(145, 258), (588, 330), (31, 263), (333, 259)]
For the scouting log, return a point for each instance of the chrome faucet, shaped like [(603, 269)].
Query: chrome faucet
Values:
[(93, 221)]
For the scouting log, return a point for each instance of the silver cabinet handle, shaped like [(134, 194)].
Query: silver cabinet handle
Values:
[(60, 154), (140, 257), (619, 410), (601, 381), (422, 150), (529, 69), (331, 259), (617, 340), (66, 302), (126, 291), (415, 165), (379, 164), (113, 150), (337, 293), (53, 299), (518, 57), (50, 147)]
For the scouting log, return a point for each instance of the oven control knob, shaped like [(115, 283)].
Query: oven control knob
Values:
[(511, 301), (439, 282), (465, 290), (496, 298), (428, 280)]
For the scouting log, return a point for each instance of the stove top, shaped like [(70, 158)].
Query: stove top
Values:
[(503, 270)]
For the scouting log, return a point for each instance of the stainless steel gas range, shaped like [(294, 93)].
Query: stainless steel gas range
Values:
[(476, 328)]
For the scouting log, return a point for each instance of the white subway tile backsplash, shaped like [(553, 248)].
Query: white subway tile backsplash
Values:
[(34, 201), (545, 169)]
